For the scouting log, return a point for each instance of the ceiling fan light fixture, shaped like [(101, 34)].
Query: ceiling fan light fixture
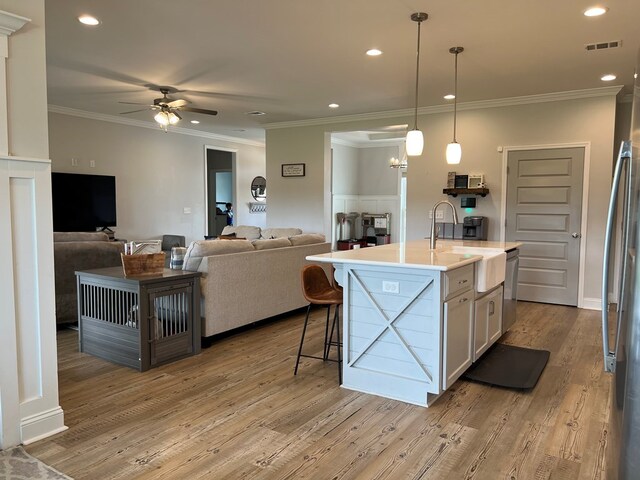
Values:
[(173, 118), (162, 118), (415, 139)]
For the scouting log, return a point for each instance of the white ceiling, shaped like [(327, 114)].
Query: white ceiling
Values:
[(291, 58)]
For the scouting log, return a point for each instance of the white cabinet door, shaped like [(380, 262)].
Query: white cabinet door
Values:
[(487, 322), (458, 332)]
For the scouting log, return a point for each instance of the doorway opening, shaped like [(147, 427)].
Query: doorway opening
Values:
[(362, 182), (219, 189)]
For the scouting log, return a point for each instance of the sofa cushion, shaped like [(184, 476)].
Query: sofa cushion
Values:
[(206, 248), (307, 239), (244, 231), (280, 232), (266, 243), (80, 237)]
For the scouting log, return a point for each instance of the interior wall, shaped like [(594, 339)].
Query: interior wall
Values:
[(158, 174), (27, 82), (345, 170), (375, 177), (480, 132)]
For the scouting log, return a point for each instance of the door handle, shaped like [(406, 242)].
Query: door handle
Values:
[(576, 235)]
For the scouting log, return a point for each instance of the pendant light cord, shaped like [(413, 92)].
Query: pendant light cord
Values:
[(455, 98), (415, 116)]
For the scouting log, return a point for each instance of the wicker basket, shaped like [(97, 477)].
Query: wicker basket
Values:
[(144, 264)]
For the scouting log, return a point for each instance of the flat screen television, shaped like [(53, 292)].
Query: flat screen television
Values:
[(83, 202)]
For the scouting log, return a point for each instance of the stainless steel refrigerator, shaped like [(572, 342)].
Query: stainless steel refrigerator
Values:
[(621, 328)]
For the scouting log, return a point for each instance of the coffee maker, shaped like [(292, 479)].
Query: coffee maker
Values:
[(475, 228), (376, 228)]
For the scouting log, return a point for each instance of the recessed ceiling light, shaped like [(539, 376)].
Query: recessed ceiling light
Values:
[(607, 78), (195, 122), (595, 11), (255, 113), (449, 97), (333, 105), (374, 52), (88, 20)]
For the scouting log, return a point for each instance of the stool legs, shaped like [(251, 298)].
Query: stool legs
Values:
[(304, 329), (328, 339)]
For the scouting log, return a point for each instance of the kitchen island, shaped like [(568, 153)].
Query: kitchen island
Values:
[(413, 318)]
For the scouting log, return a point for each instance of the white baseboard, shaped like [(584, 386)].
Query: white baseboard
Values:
[(42, 425), (592, 303)]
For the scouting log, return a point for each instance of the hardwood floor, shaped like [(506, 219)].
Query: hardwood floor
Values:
[(237, 412)]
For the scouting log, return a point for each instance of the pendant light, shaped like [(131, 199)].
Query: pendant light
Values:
[(415, 140), (454, 150)]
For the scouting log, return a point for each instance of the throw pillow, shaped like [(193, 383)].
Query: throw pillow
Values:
[(307, 239), (245, 231), (265, 244), (280, 232), (205, 248)]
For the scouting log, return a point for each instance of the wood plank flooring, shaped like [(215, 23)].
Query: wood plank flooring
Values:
[(237, 412)]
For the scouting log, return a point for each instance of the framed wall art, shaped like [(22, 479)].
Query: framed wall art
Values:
[(293, 169)]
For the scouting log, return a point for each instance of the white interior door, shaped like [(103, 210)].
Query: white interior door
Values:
[(544, 204)]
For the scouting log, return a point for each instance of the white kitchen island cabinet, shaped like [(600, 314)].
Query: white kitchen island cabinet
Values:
[(408, 319)]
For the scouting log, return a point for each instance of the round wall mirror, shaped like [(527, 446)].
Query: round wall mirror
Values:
[(259, 189)]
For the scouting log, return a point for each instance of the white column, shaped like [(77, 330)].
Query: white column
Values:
[(29, 408)]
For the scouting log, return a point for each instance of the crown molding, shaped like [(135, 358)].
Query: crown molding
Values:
[(151, 125), (477, 105), (371, 144), (10, 22)]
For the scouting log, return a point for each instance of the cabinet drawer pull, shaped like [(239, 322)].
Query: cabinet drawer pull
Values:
[(492, 307), (462, 282), (462, 300)]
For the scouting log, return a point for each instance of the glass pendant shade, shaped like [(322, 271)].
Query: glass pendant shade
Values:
[(173, 118), (414, 143), (162, 118), (454, 153)]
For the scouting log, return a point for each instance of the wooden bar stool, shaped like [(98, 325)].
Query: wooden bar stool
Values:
[(318, 291)]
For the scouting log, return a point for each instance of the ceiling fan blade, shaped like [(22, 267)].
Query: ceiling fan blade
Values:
[(177, 103), (135, 111), (134, 103), (175, 112), (199, 110)]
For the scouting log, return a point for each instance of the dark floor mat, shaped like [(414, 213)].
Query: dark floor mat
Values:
[(509, 366)]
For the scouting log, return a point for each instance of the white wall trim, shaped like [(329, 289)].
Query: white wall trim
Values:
[(371, 144), (500, 102), (42, 425), (10, 22), (585, 202), (591, 304), (151, 125)]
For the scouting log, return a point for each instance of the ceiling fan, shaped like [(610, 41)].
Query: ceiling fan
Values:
[(168, 109)]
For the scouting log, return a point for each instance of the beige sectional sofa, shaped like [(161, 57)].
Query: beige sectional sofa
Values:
[(251, 278)]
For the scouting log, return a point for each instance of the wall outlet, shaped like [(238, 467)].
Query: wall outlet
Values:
[(390, 287), (186, 210), (439, 215), (74, 162), (92, 163)]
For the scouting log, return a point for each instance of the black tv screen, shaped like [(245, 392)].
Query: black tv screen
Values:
[(83, 202)]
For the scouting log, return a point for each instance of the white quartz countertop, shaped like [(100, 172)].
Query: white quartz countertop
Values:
[(413, 254)]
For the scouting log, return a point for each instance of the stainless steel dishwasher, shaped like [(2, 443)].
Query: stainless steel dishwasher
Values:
[(510, 290)]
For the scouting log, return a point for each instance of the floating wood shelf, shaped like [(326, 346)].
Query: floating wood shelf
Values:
[(454, 192)]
